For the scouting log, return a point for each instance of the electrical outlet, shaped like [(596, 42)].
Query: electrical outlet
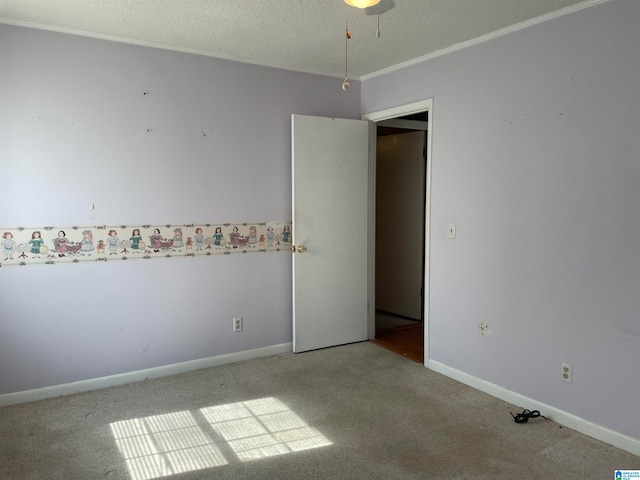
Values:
[(485, 331), (237, 324), (567, 373)]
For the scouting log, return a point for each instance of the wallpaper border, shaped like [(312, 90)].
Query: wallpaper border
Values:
[(52, 245)]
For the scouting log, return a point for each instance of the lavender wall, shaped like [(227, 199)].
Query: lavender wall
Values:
[(73, 131), (535, 158)]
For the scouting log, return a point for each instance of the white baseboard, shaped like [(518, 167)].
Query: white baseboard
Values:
[(139, 375), (581, 425)]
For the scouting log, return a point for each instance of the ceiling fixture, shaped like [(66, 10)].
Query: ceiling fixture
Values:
[(358, 4), (362, 3)]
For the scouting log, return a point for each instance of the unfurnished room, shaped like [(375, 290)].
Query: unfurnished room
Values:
[(340, 239)]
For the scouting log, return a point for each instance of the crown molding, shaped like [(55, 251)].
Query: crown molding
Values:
[(361, 78), (161, 46), (485, 38)]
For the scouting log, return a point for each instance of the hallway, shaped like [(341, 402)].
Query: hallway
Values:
[(400, 335)]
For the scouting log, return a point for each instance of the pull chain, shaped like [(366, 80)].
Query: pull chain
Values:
[(347, 36)]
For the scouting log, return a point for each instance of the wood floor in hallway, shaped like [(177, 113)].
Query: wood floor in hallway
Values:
[(406, 340)]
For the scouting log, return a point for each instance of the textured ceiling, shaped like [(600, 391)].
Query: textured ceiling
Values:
[(304, 35)]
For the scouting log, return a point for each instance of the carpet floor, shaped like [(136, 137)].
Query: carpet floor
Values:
[(351, 412)]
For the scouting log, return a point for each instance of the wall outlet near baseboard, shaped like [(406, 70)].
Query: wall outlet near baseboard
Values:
[(237, 324), (567, 373)]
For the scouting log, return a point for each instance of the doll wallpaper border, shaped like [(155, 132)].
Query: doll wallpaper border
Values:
[(52, 245)]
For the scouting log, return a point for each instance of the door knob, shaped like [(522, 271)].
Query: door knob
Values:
[(301, 249)]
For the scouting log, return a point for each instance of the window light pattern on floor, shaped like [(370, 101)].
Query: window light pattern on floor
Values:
[(163, 445), (262, 428)]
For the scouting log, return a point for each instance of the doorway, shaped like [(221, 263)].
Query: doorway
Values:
[(401, 245)]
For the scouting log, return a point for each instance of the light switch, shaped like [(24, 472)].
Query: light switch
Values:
[(451, 232)]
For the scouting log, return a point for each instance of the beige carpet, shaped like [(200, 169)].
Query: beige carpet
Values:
[(351, 412)]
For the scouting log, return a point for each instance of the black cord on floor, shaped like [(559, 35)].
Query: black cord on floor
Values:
[(526, 415)]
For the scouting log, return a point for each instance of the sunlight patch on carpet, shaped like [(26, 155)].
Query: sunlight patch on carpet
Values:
[(163, 445), (262, 428)]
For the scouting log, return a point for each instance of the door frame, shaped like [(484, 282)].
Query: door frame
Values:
[(373, 118)]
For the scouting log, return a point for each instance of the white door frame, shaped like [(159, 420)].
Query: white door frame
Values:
[(373, 117)]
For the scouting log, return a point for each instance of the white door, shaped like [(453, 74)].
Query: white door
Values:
[(330, 176), (400, 194)]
